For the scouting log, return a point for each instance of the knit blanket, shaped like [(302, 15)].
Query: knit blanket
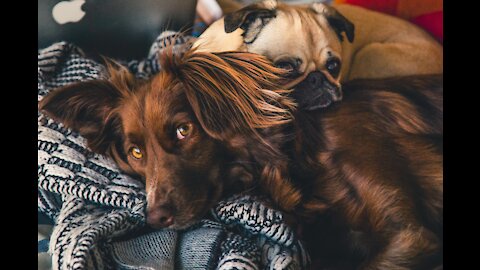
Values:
[(99, 212)]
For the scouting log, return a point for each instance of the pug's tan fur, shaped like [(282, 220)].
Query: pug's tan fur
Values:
[(383, 45)]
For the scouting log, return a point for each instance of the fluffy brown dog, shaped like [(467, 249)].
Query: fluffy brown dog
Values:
[(191, 132), (364, 175), (370, 171)]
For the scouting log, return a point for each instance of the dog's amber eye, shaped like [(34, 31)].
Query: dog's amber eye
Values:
[(136, 152), (183, 131)]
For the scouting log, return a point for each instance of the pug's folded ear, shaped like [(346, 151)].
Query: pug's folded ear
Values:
[(336, 20), (251, 19)]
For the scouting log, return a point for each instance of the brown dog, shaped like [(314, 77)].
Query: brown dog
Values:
[(365, 175), (370, 172), (191, 132)]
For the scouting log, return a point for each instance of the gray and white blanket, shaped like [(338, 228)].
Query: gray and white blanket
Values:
[(99, 212)]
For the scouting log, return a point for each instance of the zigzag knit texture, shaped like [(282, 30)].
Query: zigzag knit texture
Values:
[(99, 212)]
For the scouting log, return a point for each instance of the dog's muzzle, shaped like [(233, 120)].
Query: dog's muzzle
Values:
[(316, 92)]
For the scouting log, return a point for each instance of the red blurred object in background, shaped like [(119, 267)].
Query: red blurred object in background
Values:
[(427, 14), (432, 22)]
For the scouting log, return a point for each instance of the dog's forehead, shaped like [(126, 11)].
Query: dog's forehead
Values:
[(163, 101), (153, 104), (130, 114), (305, 34)]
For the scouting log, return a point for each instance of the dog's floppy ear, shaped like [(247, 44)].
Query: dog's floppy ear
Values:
[(88, 107), (336, 20), (251, 19), (231, 92)]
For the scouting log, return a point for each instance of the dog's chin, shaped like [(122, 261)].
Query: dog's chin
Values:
[(182, 224), (184, 221)]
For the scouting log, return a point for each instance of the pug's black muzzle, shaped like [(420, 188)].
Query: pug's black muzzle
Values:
[(316, 92)]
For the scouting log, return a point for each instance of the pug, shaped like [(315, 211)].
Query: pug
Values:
[(323, 46)]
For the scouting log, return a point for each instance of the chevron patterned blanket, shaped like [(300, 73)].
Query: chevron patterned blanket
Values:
[(99, 213)]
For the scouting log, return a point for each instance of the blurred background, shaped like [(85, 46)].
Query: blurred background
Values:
[(126, 28), (427, 14)]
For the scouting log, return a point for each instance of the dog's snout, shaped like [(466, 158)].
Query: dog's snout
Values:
[(315, 79), (160, 217), (316, 91)]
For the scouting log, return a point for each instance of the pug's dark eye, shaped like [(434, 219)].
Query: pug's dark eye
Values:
[(290, 65), (333, 66)]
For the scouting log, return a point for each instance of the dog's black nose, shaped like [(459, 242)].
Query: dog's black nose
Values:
[(315, 79), (160, 217)]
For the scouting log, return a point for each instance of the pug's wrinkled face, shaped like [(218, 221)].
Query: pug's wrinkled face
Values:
[(304, 39)]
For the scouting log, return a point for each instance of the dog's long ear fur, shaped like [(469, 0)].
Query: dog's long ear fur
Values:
[(336, 20), (88, 107), (232, 92)]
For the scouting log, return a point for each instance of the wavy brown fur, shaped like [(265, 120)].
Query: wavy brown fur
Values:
[(371, 174), (236, 91)]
